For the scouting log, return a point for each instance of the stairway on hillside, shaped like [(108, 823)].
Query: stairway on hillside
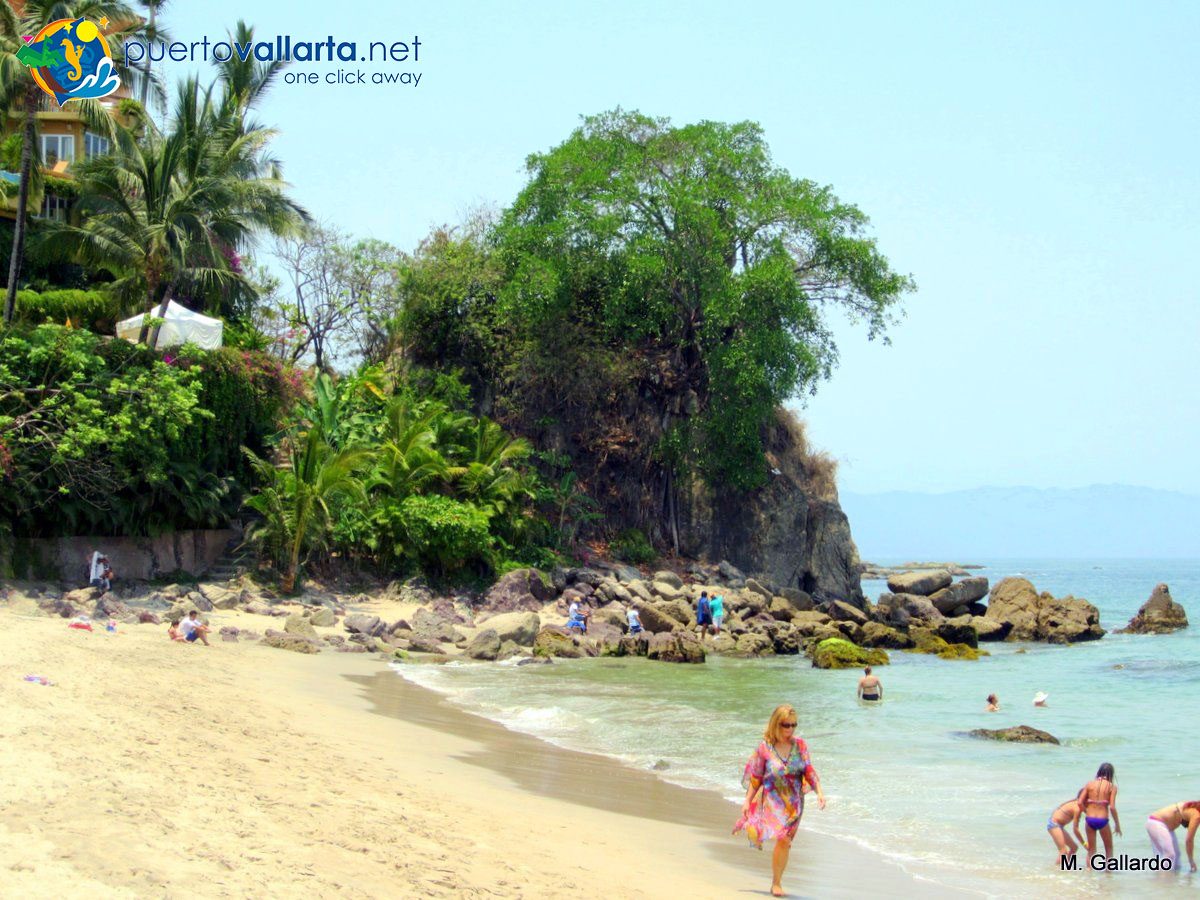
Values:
[(235, 560)]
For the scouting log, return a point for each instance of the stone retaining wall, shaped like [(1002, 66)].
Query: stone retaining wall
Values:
[(67, 559)]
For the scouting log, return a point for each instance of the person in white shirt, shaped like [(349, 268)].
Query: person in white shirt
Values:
[(634, 618), (192, 630), (577, 616)]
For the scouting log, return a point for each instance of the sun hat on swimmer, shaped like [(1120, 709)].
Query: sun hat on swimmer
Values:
[(1040, 697)]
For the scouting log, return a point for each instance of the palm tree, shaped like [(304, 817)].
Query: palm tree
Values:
[(295, 501), (408, 458), (154, 33), (161, 212), (20, 93), (489, 475)]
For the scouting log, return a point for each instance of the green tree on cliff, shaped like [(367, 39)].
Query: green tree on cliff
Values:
[(690, 247)]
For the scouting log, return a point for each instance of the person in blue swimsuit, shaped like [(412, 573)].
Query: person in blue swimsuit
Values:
[(1066, 814), (1097, 802)]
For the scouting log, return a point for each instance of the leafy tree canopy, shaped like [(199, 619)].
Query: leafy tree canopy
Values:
[(690, 247)]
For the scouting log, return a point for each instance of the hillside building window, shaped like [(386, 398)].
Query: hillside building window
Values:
[(54, 207), (56, 147), (95, 145)]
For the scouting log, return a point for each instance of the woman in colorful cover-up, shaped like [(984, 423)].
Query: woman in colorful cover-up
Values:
[(774, 779)]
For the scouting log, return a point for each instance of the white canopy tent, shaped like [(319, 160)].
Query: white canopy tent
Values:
[(180, 326)]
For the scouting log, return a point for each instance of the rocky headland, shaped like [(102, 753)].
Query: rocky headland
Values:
[(524, 614), (1159, 615)]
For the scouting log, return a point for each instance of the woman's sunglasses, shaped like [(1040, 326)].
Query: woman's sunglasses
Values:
[(787, 724)]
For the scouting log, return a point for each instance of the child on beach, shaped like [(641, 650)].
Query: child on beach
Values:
[(192, 630), (1063, 815), (1097, 802)]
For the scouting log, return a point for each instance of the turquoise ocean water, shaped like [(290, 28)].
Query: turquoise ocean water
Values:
[(902, 779)]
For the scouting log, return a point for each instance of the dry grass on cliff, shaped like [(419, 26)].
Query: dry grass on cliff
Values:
[(790, 452)]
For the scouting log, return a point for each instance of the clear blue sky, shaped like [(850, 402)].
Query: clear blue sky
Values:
[(1032, 165)]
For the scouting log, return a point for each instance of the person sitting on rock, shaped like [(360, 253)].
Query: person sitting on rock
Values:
[(577, 616), (100, 572), (192, 630), (634, 618)]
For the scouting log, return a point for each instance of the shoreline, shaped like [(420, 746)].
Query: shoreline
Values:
[(157, 768), (818, 862)]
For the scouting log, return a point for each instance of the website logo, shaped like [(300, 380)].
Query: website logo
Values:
[(70, 60)]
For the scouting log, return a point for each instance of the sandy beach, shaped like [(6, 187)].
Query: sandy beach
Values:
[(154, 768)]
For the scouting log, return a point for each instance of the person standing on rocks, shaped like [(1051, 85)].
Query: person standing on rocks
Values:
[(634, 618), (1161, 827), (718, 612), (1097, 802), (703, 614), (775, 779), (870, 688)]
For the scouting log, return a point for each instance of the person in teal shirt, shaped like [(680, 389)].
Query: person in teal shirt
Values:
[(718, 612)]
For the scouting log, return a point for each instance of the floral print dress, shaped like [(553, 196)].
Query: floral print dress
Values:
[(777, 809)]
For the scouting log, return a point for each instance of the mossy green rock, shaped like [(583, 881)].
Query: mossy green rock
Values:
[(838, 653), (925, 641)]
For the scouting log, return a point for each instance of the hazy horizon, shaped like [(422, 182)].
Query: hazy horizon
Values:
[(1106, 521)]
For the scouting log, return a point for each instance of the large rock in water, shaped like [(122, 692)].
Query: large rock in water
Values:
[(1042, 617), (1018, 734), (836, 653), (923, 582), (553, 640), (678, 646), (519, 627), (901, 609), (791, 531), (521, 589), (960, 593), (1158, 615), (485, 645)]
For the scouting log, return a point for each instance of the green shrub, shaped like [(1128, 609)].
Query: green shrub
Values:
[(103, 436), (633, 546), (94, 310), (439, 534)]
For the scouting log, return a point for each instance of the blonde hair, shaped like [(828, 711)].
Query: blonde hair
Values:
[(771, 734)]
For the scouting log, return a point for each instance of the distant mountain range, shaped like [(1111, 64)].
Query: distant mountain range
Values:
[(1100, 521)]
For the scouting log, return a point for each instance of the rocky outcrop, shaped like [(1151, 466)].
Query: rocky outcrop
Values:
[(293, 642), (680, 647), (1158, 615), (298, 625), (553, 640), (1018, 734), (1042, 617), (898, 610), (519, 627), (485, 645), (521, 589), (960, 593), (922, 583), (359, 623), (790, 532), (837, 653), (926, 640)]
